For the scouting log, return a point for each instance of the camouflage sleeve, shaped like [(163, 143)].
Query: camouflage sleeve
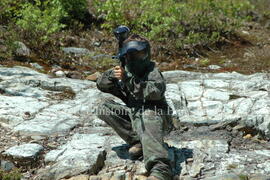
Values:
[(108, 83), (153, 88), (105, 82)]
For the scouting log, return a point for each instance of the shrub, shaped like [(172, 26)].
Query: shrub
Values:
[(76, 9), (189, 22), (41, 18), (13, 175), (8, 10), (8, 36)]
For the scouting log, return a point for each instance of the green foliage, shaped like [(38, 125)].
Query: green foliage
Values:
[(204, 62), (77, 14), (262, 6), (189, 22), (9, 36), (13, 175), (243, 177), (232, 166), (101, 63), (75, 8), (8, 10), (41, 18)]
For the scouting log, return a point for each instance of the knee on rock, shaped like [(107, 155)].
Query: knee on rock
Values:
[(102, 110)]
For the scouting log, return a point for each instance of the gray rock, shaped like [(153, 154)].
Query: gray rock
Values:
[(244, 106), (191, 66), (62, 110), (215, 95), (53, 105), (119, 175), (216, 83), (210, 147), (175, 97), (193, 90), (37, 66), (213, 158), (213, 108), (46, 123), (77, 51), (243, 163), (22, 49), (214, 67), (101, 57), (6, 165), (37, 138), (195, 108), (225, 177), (229, 76), (259, 177), (178, 76), (117, 160), (97, 44), (84, 152), (212, 98), (196, 169), (246, 85), (13, 110), (24, 151), (60, 73)]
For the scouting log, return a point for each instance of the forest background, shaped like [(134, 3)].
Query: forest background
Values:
[(185, 34)]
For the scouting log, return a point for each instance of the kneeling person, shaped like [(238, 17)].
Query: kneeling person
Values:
[(146, 116)]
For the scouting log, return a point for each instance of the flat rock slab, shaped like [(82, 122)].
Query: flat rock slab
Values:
[(54, 105), (77, 51), (209, 158), (24, 151), (6, 165), (25, 155), (37, 105), (83, 153), (207, 98), (80, 177), (198, 98), (206, 145), (232, 176)]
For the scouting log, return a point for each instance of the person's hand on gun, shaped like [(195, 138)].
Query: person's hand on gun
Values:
[(118, 72)]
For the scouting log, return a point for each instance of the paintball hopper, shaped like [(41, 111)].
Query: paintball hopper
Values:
[(121, 33)]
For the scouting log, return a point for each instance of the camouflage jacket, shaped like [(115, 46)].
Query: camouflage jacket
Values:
[(148, 91)]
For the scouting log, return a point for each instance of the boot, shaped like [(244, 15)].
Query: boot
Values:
[(135, 151)]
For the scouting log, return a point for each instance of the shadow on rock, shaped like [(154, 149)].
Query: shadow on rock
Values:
[(122, 151), (178, 156)]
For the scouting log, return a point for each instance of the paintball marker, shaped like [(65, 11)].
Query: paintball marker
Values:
[(121, 33)]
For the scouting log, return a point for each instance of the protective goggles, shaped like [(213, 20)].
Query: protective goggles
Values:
[(135, 50)]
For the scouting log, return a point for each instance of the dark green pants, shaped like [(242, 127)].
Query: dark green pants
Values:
[(141, 125)]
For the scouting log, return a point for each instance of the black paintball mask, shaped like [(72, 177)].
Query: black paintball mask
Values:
[(137, 57)]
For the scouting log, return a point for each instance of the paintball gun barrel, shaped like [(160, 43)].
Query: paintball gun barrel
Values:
[(121, 33)]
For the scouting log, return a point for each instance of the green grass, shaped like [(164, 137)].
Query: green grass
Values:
[(12, 175)]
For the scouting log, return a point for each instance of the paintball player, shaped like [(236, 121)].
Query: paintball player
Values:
[(146, 117)]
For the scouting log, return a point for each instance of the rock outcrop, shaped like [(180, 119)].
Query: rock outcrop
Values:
[(77, 51), (21, 49), (222, 125)]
